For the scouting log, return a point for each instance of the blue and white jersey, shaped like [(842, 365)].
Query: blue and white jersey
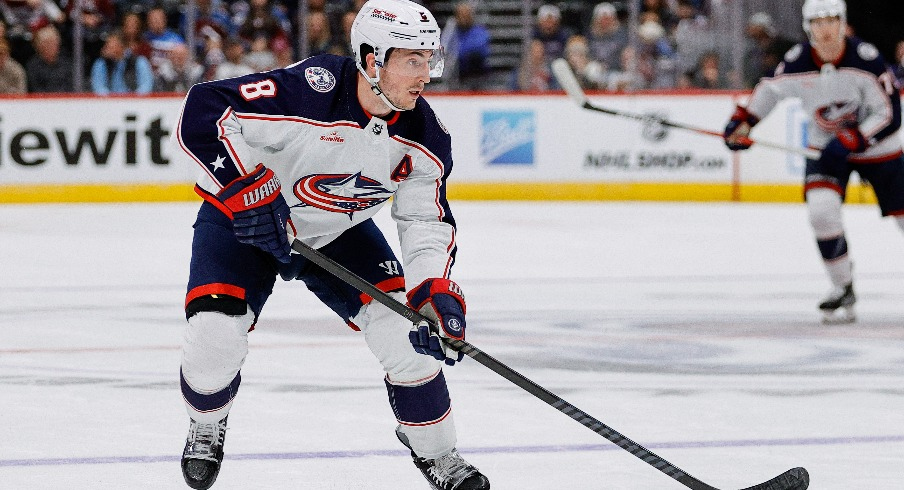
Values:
[(338, 165), (857, 89)]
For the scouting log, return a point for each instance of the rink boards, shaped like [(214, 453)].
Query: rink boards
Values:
[(524, 147)]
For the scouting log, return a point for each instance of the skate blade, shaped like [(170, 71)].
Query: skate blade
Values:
[(841, 316)]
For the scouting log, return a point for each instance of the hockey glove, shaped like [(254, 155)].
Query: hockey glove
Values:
[(738, 128), (441, 301), (259, 212), (847, 141)]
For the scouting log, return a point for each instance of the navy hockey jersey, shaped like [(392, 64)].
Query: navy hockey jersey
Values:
[(338, 164), (857, 89)]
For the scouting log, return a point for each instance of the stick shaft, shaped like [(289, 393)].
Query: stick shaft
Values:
[(572, 87), (506, 372)]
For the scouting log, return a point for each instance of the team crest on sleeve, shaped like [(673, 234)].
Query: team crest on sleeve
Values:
[(867, 51), (320, 79), (794, 53)]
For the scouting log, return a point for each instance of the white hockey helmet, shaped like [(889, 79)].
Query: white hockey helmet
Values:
[(818, 9), (385, 24)]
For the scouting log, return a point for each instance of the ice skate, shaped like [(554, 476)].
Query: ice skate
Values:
[(203, 453), (451, 472), (838, 306)]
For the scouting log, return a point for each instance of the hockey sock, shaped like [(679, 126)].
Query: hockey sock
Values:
[(424, 415), (900, 221), (209, 407), (423, 404), (838, 264), (213, 351)]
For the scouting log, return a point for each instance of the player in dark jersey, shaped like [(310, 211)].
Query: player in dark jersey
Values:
[(854, 107), (311, 152)]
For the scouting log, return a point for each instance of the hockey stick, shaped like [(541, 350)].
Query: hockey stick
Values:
[(573, 88), (793, 479)]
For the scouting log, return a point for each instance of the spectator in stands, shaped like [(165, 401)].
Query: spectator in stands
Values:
[(98, 19), (119, 71), (132, 30), (656, 58), (283, 52), (898, 65), (765, 48), (233, 67), (213, 54), (708, 75), (48, 71), (260, 57), (533, 75), (320, 37), (694, 36), (589, 72), (178, 72), (161, 38), (210, 16), (343, 45), (263, 20), (12, 75), (467, 47), (663, 11), (23, 19), (630, 74), (606, 35), (550, 32)]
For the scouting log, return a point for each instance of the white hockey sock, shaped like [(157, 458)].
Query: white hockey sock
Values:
[(824, 208), (386, 334), (900, 221), (840, 271)]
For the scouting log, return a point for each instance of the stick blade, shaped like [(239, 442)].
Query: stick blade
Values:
[(793, 479), (568, 81)]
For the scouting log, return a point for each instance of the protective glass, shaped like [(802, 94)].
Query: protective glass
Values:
[(416, 63)]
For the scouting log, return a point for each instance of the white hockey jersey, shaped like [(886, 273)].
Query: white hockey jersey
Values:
[(338, 164), (857, 89)]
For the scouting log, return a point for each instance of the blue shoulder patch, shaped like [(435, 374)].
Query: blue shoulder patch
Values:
[(863, 56), (798, 60)]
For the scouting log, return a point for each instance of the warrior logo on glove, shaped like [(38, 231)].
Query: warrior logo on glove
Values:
[(440, 300)]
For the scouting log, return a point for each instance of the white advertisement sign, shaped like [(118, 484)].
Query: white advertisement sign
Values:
[(78, 140), (496, 138)]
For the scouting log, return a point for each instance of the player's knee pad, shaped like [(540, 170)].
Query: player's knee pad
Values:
[(214, 348), (824, 207), (386, 334)]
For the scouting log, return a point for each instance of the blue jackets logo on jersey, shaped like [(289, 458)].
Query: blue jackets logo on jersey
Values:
[(320, 79), (340, 193), (507, 138), (836, 116)]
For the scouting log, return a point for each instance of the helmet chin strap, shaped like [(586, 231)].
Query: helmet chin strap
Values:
[(375, 87)]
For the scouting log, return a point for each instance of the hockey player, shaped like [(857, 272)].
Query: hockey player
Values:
[(854, 107), (311, 152)]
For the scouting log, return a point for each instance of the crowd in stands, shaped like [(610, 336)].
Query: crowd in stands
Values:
[(140, 47), (678, 46), (137, 47)]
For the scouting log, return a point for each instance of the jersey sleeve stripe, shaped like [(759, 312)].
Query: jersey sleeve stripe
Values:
[(267, 117), (440, 212), (191, 154), (227, 143)]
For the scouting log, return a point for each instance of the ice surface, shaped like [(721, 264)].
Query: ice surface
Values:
[(690, 328)]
